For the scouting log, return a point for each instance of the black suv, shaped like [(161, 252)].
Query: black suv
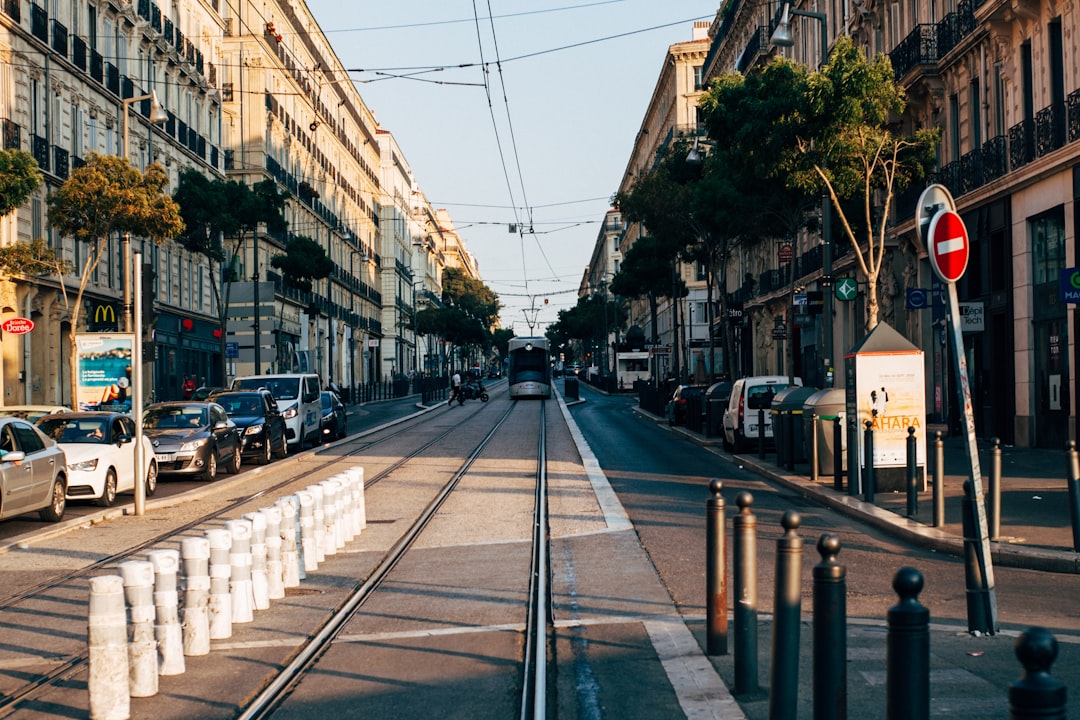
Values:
[(260, 423)]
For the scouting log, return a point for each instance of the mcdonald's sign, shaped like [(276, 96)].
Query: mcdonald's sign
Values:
[(102, 318)]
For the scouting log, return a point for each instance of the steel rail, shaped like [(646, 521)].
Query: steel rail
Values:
[(539, 620)]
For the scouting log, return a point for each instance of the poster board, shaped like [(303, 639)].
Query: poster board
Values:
[(103, 371)]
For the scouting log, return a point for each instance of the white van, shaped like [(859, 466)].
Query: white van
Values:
[(748, 396), (298, 398)]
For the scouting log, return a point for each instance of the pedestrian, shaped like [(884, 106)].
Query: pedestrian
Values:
[(187, 387), (455, 387)]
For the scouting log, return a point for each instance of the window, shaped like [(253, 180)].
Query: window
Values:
[(975, 116), (1047, 233), (698, 75), (954, 128)]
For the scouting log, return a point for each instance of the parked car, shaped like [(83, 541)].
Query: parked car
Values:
[(676, 406), (33, 472), (204, 393), (334, 420), (748, 396), (100, 452), (262, 428), (192, 438), (31, 412), (299, 400)]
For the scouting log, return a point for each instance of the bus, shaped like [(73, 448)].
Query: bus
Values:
[(529, 371)]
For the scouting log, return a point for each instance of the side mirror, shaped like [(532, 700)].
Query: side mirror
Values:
[(221, 425), (122, 439), (13, 456)]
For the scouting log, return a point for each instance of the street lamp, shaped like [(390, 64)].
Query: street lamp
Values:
[(782, 37), (158, 114)]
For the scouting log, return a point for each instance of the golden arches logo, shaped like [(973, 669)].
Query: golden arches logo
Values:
[(104, 313)]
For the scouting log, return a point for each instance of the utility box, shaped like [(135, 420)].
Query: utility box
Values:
[(886, 386)]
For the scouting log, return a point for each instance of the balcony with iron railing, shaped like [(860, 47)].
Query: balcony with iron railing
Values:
[(59, 38), (954, 27), (39, 147), (39, 22), (919, 48), (13, 10), (12, 135), (758, 46)]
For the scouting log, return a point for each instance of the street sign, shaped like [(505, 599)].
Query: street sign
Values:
[(232, 349), (949, 247), (1069, 285), (933, 198), (846, 289), (18, 326), (785, 253), (918, 298), (779, 331)]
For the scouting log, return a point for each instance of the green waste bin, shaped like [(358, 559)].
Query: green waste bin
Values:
[(827, 404), (787, 426), (570, 387)]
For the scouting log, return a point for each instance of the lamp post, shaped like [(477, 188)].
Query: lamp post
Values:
[(157, 115), (782, 37)]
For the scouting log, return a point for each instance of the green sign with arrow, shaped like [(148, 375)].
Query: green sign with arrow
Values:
[(846, 289)]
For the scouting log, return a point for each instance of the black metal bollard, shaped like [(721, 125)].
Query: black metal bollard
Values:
[(815, 421), (912, 474), (854, 476), (761, 433), (939, 480), (994, 506), (868, 454), (1073, 480), (977, 595), (787, 602), (716, 572), (744, 551), (907, 654), (830, 632), (1036, 695), (838, 454)]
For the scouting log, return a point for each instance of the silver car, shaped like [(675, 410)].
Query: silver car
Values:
[(33, 472), (192, 438)]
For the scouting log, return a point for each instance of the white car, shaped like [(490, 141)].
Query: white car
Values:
[(100, 452), (749, 395)]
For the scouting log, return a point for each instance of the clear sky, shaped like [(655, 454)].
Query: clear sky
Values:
[(544, 145)]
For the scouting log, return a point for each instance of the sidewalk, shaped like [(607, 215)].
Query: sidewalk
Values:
[(1035, 529)]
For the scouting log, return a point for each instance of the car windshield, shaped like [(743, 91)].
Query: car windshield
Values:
[(280, 388), (240, 403), (174, 417), (75, 430)]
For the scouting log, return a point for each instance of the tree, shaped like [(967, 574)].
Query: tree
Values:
[(646, 272), (304, 260), (109, 195), (32, 258), (850, 146), (19, 178), (743, 195), (217, 210), (470, 295)]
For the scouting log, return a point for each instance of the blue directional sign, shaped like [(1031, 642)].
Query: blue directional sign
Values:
[(1069, 285), (232, 350), (918, 298)]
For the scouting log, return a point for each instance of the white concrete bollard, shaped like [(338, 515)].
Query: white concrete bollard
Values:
[(195, 554), (243, 597), (275, 574), (346, 519), (259, 592), (220, 572), (170, 638), (291, 563), (357, 474), (342, 507), (307, 531), (108, 652), (330, 533), (142, 646), (319, 521)]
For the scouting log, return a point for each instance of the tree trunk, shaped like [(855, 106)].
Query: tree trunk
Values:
[(871, 302)]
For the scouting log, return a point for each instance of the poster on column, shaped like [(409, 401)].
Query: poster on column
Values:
[(103, 371), (890, 393)]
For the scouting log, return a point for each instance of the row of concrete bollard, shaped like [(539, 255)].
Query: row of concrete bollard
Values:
[(1036, 694), (137, 630)]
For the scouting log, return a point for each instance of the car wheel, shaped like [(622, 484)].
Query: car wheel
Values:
[(266, 456), (151, 479), (55, 511), (344, 430), (108, 493), (283, 451), (234, 461), (211, 465)]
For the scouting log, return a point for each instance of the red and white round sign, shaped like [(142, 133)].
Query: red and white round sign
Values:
[(949, 247), (18, 326)]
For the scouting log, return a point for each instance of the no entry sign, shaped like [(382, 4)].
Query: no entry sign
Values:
[(949, 246)]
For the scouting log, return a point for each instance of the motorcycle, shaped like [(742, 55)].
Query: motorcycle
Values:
[(472, 391)]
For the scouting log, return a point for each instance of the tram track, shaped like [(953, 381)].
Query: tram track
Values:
[(63, 669)]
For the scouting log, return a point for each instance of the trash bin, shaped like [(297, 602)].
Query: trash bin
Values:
[(827, 404), (570, 387), (716, 399), (787, 425)]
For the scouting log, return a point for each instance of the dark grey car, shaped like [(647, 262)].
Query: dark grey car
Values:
[(192, 438)]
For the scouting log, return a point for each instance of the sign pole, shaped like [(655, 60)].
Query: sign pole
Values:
[(136, 391), (986, 567)]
